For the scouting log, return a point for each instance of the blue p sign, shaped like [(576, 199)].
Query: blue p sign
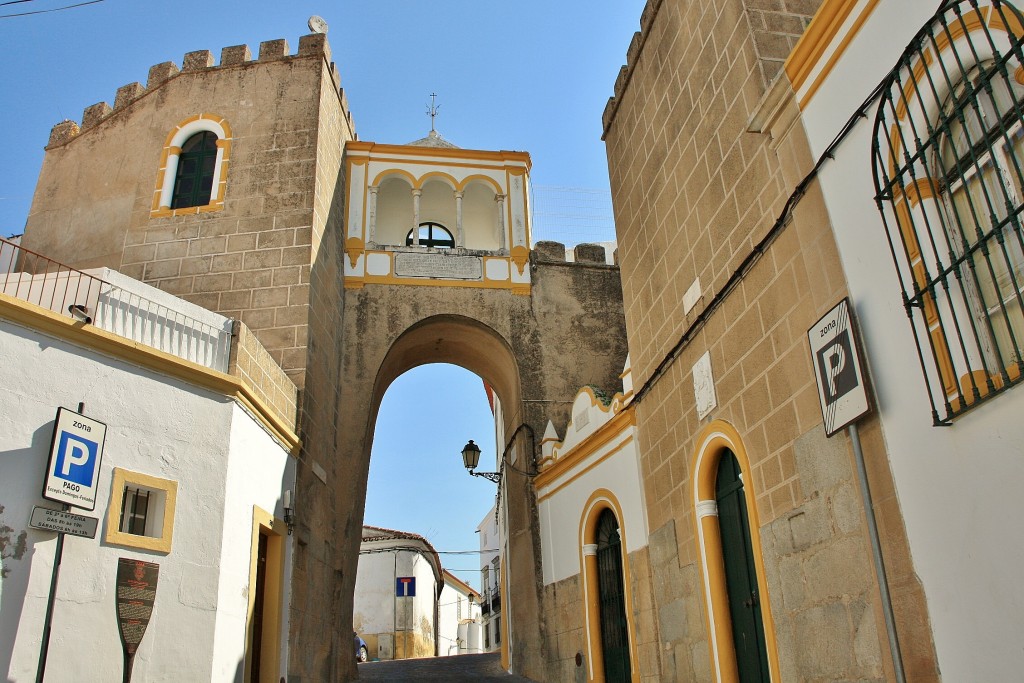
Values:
[(75, 457)]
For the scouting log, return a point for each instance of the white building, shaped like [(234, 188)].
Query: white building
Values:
[(459, 627), (398, 586), (491, 544), (935, 270), (593, 518), (194, 469)]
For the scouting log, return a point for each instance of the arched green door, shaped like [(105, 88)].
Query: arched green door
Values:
[(611, 589), (740, 573)]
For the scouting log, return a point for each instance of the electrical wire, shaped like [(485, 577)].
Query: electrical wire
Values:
[(45, 11)]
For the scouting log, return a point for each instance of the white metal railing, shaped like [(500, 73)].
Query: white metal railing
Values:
[(117, 304)]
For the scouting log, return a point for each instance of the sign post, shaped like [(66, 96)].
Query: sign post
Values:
[(71, 479)]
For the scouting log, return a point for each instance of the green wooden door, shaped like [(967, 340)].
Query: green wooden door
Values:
[(741, 574), (614, 632)]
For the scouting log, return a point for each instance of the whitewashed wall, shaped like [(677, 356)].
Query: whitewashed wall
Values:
[(561, 514), (958, 487), (164, 428), (377, 609)]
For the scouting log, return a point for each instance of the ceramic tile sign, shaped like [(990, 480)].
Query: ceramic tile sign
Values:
[(136, 595), (841, 387), (72, 475)]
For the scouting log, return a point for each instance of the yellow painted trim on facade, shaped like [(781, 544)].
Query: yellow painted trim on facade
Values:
[(840, 49), (995, 21), (973, 20), (370, 148), (216, 203), (604, 434), (600, 500), (354, 248), (63, 327), (922, 188), (521, 288), (448, 179), (913, 84), (715, 438), (114, 535), (591, 465), (482, 179), (527, 228), (400, 172), (519, 255), (506, 636), (265, 523), (816, 38)]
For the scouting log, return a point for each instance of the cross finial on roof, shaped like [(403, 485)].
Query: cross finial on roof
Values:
[(432, 110)]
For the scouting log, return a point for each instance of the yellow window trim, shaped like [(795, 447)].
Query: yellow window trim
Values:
[(113, 535)]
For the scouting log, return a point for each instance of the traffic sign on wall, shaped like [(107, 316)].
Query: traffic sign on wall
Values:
[(841, 388), (72, 475)]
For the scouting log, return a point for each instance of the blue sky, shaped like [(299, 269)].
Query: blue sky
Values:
[(528, 75)]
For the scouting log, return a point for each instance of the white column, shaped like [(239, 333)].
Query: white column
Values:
[(500, 201), (460, 238), (372, 229), (416, 194)]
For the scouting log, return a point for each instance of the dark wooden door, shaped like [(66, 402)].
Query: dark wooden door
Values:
[(256, 646), (614, 631), (741, 573)]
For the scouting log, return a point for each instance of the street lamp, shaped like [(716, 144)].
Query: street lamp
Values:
[(471, 457)]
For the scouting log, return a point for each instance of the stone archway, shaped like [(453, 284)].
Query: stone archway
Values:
[(535, 350)]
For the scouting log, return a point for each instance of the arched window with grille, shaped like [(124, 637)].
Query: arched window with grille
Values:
[(948, 158)]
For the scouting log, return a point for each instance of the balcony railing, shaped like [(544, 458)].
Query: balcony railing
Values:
[(117, 304)]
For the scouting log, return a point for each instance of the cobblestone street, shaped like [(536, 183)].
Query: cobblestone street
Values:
[(451, 669)]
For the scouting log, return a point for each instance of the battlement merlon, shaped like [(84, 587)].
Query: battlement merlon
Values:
[(311, 45)]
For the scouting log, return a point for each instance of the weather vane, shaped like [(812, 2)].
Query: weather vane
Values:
[(432, 110)]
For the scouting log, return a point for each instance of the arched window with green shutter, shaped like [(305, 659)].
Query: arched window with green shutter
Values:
[(193, 182)]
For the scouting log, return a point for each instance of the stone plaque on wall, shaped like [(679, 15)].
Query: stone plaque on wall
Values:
[(136, 594), (440, 266)]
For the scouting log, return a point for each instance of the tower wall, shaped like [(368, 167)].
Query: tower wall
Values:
[(248, 257)]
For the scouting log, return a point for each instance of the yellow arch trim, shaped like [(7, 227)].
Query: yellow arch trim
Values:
[(383, 175), (479, 179), (599, 501), (217, 196), (447, 178), (712, 441)]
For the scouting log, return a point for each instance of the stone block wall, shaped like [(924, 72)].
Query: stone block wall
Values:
[(698, 198), (253, 364), (250, 259), (565, 612)]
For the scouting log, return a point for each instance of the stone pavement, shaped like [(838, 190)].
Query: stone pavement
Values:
[(460, 669)]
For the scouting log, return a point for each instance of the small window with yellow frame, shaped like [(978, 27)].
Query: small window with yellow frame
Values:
[(141, 511)]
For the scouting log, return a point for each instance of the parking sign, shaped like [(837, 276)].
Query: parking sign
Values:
[(73, 471), (841, 387)]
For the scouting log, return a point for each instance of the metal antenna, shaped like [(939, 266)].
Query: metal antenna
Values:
[(432, 111)]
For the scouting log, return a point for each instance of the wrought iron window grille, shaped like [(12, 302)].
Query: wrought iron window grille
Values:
[(948, 164)]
